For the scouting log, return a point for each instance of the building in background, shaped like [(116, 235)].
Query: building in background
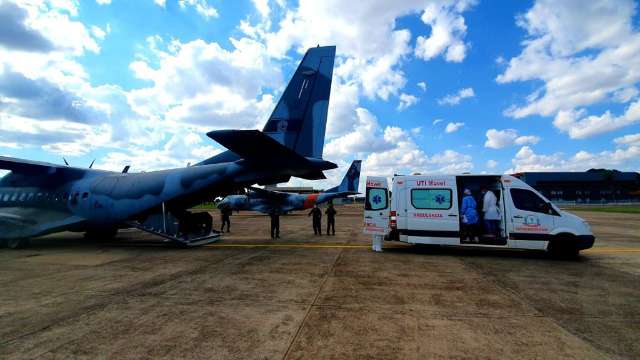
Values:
[(592, 186)]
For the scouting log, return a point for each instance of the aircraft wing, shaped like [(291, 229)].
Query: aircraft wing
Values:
[(271, 195), (264, 151), (29, 167), (327, 196), (27, 222)]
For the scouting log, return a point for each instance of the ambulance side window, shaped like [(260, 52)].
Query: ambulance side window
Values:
[(433, 199), (527, 200), (376, 199)]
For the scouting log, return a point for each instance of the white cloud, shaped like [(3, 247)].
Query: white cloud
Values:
[(579, 126), (103, 2), (498, 139), (201, 6), (406, 100), (262, 6), (367, 136), (585, 53), (422, 85), (453, 127), (392, 150), (370, 47), (181, 149), (448, 29), (491, 164), (162, 3), (622, 159), (454, 99), (625, 95), (631, 139), (437, 121), (98, 32), (202, 84)]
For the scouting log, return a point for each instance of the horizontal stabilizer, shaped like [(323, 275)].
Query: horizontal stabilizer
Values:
[(264, 151)]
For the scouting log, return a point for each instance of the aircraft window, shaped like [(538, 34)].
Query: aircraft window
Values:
[(6, 197), (65, 197), (85, 195), (30, 197), (56, 197), (22, 197), (14, 197), (39, 197)]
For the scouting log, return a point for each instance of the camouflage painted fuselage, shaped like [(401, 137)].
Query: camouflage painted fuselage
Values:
[(99, 199)]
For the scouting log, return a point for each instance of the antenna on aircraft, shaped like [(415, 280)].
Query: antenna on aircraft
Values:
[(91, 165), (65, 161), (126, 169)]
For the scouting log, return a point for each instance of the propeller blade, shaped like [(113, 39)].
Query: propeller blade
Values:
[(65, 161), (91, 165)]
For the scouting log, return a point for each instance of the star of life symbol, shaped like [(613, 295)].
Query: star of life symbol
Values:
[(439, 199), (282, 125), (377, 199)]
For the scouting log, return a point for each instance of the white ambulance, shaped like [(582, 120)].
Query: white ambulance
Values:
[(424, 209)]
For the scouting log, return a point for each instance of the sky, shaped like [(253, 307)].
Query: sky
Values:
[(429, 86)]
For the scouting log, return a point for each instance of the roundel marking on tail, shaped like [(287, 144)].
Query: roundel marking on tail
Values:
[(310, 200)]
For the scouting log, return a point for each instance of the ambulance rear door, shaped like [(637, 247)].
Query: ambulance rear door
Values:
[(376, 207)]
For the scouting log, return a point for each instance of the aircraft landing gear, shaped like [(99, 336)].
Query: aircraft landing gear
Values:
[(17, 243), (101, 235), (195, 224)]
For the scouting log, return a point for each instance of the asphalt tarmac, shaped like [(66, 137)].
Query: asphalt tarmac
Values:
[(318, 297)]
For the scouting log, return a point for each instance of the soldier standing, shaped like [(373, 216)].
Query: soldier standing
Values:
[(331, 219), (275, 223), (317, 219), (225, 214)]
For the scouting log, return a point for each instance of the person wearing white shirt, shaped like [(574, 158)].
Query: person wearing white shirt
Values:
[(491, 212)]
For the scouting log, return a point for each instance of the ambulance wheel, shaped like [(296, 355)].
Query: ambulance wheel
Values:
[(17, 243), (563, 247)]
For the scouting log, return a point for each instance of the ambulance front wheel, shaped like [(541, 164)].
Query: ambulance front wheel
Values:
[(564, 246)]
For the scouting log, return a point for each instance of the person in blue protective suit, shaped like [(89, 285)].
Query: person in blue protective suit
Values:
[(470, 218)]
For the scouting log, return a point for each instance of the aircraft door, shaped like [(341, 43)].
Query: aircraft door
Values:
[(376, 209)]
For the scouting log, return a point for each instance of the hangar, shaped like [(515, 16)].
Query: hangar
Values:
[(592, 186)]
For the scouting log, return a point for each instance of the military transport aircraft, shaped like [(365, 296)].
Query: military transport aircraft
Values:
[(38, 198), (266, 200)]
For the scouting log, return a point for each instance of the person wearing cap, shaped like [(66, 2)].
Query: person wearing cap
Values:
[(469, 216)]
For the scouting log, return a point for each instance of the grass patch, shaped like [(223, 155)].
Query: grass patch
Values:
[(621, 209), (206, 206)]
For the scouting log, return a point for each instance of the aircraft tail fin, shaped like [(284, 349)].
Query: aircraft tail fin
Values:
[(351, 180), (299, 119)]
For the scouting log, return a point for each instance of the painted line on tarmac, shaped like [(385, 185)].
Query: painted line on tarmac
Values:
[(612, 250), (329, 246), (347, 246)]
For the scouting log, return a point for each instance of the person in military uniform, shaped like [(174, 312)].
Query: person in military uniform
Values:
[(275, 223), (331, 219), (317, 219), (225, 215)]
